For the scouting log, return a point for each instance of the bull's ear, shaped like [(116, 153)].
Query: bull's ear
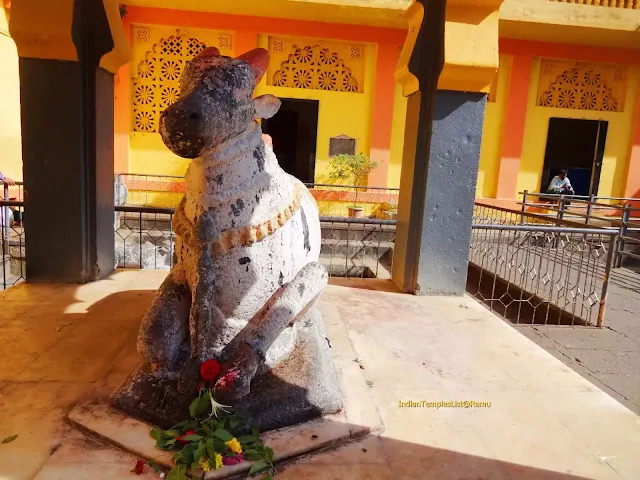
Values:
[(258, 58), (266, 106)]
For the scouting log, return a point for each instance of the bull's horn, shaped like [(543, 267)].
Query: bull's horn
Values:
[(258, 58)]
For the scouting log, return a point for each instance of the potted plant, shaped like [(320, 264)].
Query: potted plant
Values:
[(353, 170)]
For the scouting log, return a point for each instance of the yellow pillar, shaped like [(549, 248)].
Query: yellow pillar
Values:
[(442, 140)]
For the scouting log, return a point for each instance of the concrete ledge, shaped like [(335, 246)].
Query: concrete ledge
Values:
[(94, 415)]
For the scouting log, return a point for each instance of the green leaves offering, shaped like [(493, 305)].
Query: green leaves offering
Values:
[(179, 472), (10, 439), (201, 442), (258, 467), (223, 435), (200, 405)]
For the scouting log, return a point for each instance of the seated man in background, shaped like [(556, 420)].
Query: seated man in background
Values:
[(7, 180), (560, 184)]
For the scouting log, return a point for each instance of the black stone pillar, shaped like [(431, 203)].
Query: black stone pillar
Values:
[(439, 171), (450, 189), (67, 151)]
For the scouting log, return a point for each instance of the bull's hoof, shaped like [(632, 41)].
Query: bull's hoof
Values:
[(235, 382)]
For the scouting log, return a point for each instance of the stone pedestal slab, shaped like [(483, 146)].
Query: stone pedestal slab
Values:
[(96, 415)]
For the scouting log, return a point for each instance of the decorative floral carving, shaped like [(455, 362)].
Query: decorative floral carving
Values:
[(144, 121), (589, 100), (171, 70), (146, 69), (547, 68), (569, 77), (327, 81), (142, 35), (224, 41), (302, 78), (591, 79), (546, 99), (143, 94)]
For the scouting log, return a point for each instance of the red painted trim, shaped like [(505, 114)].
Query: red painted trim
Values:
[(382, 111), (584, 53), (515, 117), (155, 186), (348, 196), (268, 25)]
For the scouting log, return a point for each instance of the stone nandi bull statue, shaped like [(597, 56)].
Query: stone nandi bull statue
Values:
[(247, 245)]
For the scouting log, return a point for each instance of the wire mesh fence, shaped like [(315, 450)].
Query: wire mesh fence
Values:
[(540, 274)]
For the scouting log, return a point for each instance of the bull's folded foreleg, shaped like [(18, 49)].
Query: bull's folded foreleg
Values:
[(164, 327), (287, 305), (204, 314)]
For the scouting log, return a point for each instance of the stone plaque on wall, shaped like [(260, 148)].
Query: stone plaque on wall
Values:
[(342, 144)]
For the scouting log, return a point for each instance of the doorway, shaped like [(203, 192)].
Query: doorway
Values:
[(577, 146), (294, 131)]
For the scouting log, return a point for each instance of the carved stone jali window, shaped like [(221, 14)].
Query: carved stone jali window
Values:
[(317, 65), (581, 86), (156, 77)]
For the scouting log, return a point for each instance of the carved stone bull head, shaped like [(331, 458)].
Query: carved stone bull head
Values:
[(216, 101)]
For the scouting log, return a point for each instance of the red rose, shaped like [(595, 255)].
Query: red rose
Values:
[(209, 369), (184, 442), (139, 467)]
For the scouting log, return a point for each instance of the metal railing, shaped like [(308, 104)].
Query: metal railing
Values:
[(542, 274), (631, 4), (527, 267), (13, 247), (144, 237), (351, 247), (166, 191), (487, 214), (357, 247), (622, 215)]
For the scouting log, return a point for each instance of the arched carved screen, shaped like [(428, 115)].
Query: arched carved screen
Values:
[(581, 86), (319, 65)]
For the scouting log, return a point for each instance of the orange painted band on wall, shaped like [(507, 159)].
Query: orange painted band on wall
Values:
[(583, 53), (632, 188), (515, 117), (276, 26), (382, 117)]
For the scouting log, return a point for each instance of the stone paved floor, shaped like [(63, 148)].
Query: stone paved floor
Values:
[(545, 421), (608, 358)]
